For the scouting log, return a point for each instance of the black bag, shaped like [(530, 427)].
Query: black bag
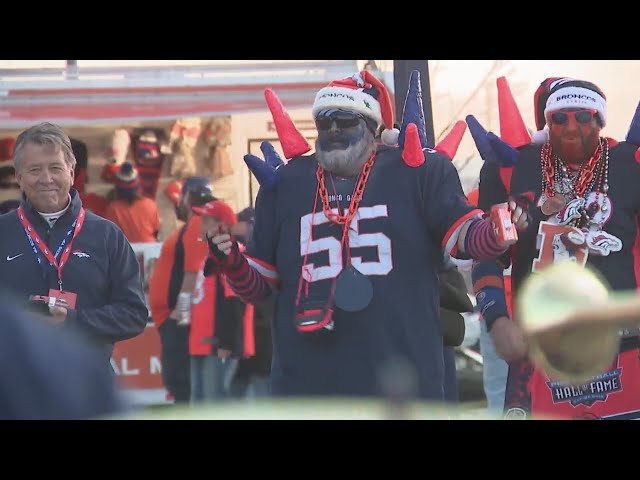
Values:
[(453, 301)]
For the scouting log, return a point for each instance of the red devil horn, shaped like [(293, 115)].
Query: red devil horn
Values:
[(449, 145), (412, 153), (292, 142), (512, 127)]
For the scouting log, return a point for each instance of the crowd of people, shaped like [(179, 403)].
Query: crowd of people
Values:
[(337, 277)]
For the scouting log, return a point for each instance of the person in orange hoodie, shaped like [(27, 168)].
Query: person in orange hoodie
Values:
[(137, 216), (174, 273)]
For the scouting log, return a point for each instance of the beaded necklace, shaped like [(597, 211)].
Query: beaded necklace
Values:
[(561, 186)]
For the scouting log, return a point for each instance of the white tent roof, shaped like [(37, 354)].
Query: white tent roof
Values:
[(95, 93)]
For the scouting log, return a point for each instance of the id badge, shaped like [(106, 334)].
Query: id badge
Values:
[(68, 297)]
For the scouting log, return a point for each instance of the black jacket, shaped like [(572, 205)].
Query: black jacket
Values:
[(453, 302), (102, 270), (47, 373)]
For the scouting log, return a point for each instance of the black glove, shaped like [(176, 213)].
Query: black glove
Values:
[(218, 262), (215, 251)]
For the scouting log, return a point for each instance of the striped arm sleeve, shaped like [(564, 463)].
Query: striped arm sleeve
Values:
[(480, 242), (244, 279)]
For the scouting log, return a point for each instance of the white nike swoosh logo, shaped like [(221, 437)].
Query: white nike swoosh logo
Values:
[(13, 258)]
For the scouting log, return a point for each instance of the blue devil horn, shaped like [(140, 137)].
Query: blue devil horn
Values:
[(506, 155), (479, 135), (633, 136), (412, 111)]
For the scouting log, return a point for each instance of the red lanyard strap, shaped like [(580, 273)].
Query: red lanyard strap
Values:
[(63, 251)]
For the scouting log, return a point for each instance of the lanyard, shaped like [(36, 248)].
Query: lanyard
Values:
[(38, 244)]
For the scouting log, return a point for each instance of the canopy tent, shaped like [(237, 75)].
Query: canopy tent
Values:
[(105, 95)]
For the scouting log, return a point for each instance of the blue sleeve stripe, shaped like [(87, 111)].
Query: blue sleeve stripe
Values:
[(483, 269), (488, 285)]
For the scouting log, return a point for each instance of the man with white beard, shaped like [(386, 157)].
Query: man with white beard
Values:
[(351, 238)]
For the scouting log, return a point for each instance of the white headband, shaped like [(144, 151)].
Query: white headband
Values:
[(577, 97)]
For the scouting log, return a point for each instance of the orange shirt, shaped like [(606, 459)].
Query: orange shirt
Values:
[(94, 203), (165, 269), (203, 312), (139, 221)]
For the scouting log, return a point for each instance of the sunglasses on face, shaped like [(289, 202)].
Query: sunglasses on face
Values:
[(580, 116), (342, 120)]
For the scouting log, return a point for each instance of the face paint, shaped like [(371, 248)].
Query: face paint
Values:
[(343, 144), (573, 134), (340, 130)]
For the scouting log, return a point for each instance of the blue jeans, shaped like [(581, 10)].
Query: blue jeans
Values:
[(175, 359), (494, 374), (210, 377), (257, 386), (450, 376)]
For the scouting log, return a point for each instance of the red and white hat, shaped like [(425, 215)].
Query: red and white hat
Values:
[(361, 93), (556, 93), (219, 210)]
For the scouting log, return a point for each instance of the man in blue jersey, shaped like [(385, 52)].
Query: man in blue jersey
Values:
[(352, 237)]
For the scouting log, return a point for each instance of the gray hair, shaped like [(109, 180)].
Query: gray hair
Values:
[(44, 134)]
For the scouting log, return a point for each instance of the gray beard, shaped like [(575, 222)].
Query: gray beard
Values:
[(349, 162)]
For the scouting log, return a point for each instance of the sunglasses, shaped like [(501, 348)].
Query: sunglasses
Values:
[(341, 119), (580, 116)]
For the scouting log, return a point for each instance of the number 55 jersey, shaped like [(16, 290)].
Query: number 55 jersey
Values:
[(407, 218)]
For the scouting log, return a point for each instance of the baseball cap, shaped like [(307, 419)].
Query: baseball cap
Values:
[(217, 209), (199, 190), (247, 215), (200, 196)]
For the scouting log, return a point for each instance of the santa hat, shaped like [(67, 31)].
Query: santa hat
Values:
[(361, 93), (556, 93), (219, 210), (127, 180)]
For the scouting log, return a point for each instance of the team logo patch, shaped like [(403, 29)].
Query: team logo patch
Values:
[(515, 414), (597, 390), (80, 254)]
